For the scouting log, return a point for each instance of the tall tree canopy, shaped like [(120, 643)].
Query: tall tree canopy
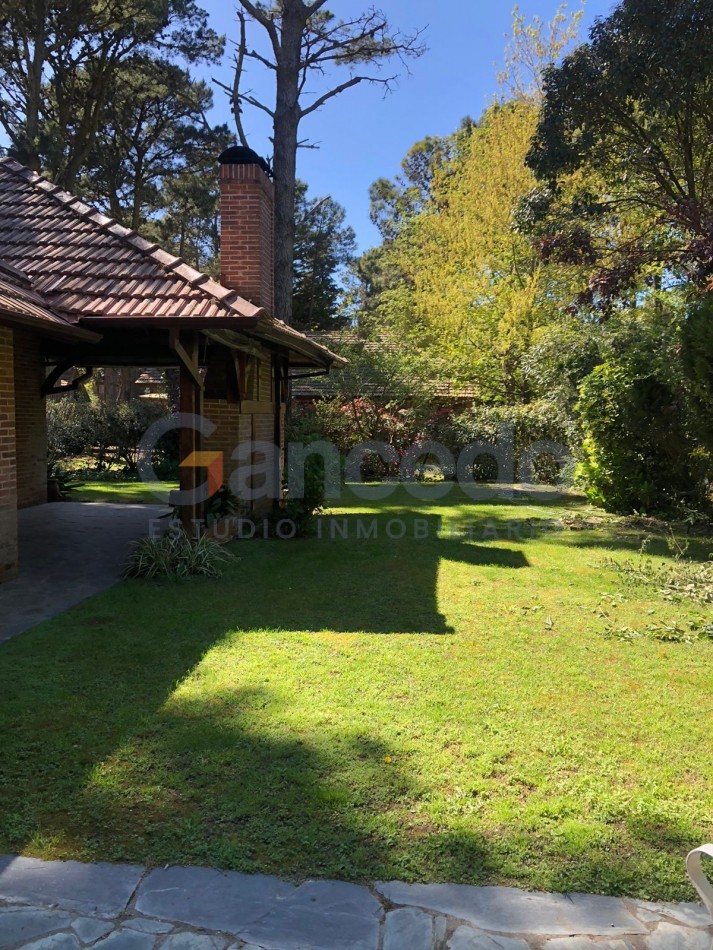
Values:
[(324, 246), (453, 275), (154, 130), (633, 106), (60, 63), (306, 43)]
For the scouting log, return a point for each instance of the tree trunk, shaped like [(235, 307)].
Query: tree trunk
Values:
[(286, 125), (34, 87)]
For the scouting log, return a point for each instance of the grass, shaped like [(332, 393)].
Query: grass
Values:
[(429, 710), (119, 493)]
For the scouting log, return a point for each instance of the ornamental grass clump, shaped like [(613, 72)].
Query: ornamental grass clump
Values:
[(176, 556)]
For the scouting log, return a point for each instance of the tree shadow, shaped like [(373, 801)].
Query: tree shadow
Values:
[(111, 759), (366, 574), (118, 743)]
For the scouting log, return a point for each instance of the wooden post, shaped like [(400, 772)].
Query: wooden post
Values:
[(190, 402)]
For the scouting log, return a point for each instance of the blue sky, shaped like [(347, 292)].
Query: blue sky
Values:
[(364, 136)]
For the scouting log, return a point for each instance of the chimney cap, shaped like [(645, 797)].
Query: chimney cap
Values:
[(239, 155)]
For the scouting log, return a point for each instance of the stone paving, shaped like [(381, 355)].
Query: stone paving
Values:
[(54, 540), (67, 906)]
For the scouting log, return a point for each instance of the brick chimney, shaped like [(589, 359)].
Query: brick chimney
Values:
[(247, 226)]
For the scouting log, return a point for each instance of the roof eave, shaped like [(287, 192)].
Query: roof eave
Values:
[(47, 328), (315, 353), (260, 327)]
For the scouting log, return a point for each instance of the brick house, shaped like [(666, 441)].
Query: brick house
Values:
[(78, 290)]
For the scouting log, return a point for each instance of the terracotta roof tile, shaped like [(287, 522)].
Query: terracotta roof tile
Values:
[(84, 265), (88, 264), (18, 301)]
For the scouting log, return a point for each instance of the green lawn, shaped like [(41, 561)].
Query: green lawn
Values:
[(121, 493), (440, 709)]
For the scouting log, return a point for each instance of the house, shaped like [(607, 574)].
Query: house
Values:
[(79, 291), (366, 381)]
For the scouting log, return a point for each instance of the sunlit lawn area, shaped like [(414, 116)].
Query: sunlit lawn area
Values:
[(437, 709), (119, 492)]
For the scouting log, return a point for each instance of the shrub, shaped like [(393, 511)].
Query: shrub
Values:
[(639, 455), (111, 434), (697, 359), (223, 504), (122, 427), (529, 424), (303, 511), (177, 556), (61, 483), (71, 428)]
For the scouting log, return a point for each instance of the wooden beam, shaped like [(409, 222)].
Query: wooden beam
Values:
[(188, 361), (233, 378), (243, 376), (49, 387), (190, 441)]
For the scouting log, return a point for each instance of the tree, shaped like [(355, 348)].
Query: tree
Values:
[(60, 61), (153, 129), (396, 201), (306, 41), (324, 245), (188, 222), (453, 278), (634, 107)]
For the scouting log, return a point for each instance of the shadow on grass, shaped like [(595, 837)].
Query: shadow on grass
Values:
[(106, 756), (104, 759), (353, 583)]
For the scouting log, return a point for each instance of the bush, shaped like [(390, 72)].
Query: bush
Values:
[(65, 483), (71, 428), (177, 556), (301, 512), (639, 455), (223, 504), (121, 428), (530, 424), (697, 359), (111, 434)]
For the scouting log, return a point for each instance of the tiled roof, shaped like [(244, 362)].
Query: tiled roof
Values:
[(88, 267), (86, 264), (19, 302)]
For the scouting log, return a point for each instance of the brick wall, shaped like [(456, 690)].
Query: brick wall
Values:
[(235, 426), (30, 421), (246, 233), (8, 480)]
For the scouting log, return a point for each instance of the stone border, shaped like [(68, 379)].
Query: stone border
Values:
[(67, 906)]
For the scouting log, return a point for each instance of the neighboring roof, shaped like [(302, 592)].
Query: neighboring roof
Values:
[(90, 268), (19, 304), (322, 387)]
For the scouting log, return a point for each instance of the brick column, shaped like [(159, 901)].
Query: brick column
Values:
[(8, 472), (30, 421)]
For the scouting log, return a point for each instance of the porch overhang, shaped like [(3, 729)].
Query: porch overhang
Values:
[(238, 334)]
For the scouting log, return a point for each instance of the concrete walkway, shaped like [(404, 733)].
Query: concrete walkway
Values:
[(66, 906), (68, 551)]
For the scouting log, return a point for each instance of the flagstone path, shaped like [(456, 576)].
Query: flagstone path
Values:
[(68, 906)]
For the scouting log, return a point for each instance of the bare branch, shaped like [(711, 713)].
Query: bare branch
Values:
[(265, 21), (239, 63), (256, 104), (318, 103), (253, 54)]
